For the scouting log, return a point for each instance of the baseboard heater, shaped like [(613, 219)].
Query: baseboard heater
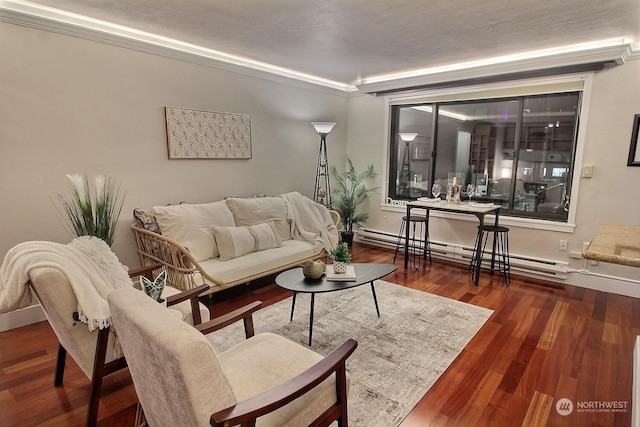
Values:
[(462, 254)]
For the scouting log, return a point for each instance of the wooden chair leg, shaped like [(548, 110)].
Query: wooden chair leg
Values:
[(62, 357), (341, 391), (96, 378)]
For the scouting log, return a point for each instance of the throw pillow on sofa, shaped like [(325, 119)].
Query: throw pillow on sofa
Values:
[(261, 210), (237, 241), (190, 225), (146, 220)]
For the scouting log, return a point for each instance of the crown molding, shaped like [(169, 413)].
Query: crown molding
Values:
[(552, 61), (578, 60), (55, 21), (635, 52)]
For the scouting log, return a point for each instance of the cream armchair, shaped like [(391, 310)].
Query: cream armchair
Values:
[(265, 380), (95, 352)]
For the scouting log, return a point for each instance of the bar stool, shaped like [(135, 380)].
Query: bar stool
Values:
[(501, 244), (420, 228)]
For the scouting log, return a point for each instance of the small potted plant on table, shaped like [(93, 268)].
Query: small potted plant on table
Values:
[(341, 257)]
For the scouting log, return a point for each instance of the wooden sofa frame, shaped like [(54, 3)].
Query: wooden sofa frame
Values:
[(184, 272)]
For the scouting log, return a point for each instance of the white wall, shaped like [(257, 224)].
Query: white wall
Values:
[(612, 195), (71, 105)]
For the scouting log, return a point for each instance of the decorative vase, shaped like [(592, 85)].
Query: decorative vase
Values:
[(347, 237), (313, 269), (339, 267)]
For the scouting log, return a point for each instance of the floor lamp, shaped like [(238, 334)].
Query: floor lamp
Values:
[(322, 189), (405, 173)]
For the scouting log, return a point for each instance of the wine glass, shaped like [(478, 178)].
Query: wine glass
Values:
[(435, 190), (470, 189)]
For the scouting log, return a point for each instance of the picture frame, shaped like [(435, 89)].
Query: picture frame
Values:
[(197, 134), (634, 153)]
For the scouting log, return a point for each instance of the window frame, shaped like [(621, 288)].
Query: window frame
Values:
[(501, 90)]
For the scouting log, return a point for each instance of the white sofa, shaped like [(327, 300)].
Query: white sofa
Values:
[(233, 241)]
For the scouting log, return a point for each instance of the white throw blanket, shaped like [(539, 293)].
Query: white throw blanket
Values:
[(311, 222), (92, 269)]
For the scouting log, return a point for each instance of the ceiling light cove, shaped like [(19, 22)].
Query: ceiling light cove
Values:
[(537, 54), (107, 26), (123, 32)]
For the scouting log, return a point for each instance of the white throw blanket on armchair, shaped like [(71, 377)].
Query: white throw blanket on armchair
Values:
[(92, 269), (311, 222)]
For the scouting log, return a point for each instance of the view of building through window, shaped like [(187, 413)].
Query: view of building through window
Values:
[(517, 152)]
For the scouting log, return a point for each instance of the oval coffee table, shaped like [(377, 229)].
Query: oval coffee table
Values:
[(294, 280)]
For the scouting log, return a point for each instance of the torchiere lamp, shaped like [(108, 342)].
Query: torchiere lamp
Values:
[(405, 174), (322, 189)]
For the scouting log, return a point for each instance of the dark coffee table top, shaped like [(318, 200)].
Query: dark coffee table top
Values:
[(294, 280)]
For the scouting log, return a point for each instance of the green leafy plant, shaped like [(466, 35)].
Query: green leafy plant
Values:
[(154, 288), (340, 253), (93, 214), (350, 192)]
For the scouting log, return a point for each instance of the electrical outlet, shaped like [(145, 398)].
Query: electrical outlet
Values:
[(585, 246), (563, 245)]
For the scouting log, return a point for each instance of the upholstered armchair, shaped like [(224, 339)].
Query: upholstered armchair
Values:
[(265, 380), (95, 352)]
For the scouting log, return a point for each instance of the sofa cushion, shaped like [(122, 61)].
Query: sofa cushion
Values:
[(277, 359), (192, 225), (256, 263), (237, 241), (260, 210)]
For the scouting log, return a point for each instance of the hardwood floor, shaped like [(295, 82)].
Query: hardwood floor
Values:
[(542, 343)]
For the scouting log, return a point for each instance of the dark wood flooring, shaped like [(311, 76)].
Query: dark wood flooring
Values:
[(543, 342)]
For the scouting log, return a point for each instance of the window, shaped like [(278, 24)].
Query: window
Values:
[(517, 151)]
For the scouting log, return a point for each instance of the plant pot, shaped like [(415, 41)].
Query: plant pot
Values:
[(347, 237), (339, 267)]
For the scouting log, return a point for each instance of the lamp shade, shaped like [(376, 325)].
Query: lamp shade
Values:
[(323, 128), (407, 136)]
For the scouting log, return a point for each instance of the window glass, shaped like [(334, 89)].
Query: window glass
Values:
[(412, 149), (515, 151), (546, 152)]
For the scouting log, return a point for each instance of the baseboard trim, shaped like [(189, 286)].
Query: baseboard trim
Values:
[(614, 285), (552, 271), (21, 317)]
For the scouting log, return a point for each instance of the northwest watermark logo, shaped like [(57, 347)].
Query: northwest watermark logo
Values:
[(564, 406)]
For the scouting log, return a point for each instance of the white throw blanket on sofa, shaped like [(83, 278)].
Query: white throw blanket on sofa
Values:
[(92, 269), (311, 222)]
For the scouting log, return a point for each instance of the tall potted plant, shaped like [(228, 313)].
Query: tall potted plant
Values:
[(348, 194), (93, 213)]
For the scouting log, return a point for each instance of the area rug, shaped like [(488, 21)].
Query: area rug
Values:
[(399, 356)]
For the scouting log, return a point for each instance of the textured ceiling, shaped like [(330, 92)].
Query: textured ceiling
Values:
[(347, 40)]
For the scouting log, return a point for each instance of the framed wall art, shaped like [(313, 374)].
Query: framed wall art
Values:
[(196, 134), (634, 152)]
